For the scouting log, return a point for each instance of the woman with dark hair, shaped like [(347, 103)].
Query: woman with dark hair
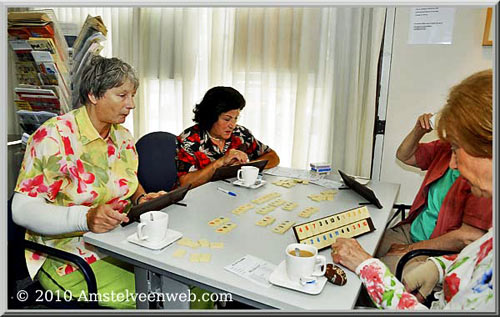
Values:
[(79, 174), (216, 140), (467, 278)]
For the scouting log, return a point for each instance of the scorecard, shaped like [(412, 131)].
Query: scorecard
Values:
[(322, 232)]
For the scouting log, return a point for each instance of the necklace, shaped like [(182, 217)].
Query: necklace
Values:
[(214, 138)]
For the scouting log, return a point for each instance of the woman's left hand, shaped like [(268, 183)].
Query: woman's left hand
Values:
[(150, 196), (399, 249), (349, 253)]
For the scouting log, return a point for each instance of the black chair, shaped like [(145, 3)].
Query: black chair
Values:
[(400, 209), (419, 252), (157, 168), (19, 281)]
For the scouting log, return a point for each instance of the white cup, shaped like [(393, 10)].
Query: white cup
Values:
[(248, 175), (153, 226), (304, 269)]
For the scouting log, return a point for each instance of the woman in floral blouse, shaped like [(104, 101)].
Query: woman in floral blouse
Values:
[(216, 140), (79, 173), (467, 278)]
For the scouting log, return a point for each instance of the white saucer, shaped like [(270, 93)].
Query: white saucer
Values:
[(257, 184), (279, 277), (171, 236)]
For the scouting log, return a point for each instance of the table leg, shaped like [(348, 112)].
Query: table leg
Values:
[(177, 291), (141, 286)]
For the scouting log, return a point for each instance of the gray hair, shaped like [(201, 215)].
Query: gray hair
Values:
[(103, 74)]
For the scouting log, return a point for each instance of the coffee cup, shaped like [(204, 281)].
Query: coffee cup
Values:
[(303, 264), (153, 226), (248, 175)]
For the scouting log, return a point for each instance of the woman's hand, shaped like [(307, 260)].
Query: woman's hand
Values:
[(234, 156), (150, 196), (104, 218), (422, 280), (423, 124), (399, 249), (349, 253)]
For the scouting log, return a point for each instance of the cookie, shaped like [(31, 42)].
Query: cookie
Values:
[(335, 274)]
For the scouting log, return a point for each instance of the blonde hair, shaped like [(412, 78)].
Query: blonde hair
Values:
[(466, 119)]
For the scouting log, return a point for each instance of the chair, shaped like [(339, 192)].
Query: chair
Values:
[(419, 252), (400, 209), (20, 281), (157, 168)]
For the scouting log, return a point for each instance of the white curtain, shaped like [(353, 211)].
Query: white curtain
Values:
[(308, 74)]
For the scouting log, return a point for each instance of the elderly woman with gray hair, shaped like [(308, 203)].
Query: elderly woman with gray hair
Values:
[(79, 174)]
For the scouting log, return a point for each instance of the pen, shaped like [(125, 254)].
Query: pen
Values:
[(226, 191), (364, 203)]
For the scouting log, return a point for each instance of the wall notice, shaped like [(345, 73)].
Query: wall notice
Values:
[(431, 25)]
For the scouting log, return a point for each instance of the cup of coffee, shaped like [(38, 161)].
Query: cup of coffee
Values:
[(303, 264), (248, 175), (153, 226)]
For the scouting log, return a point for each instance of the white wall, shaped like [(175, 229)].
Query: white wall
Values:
[(420, 78)]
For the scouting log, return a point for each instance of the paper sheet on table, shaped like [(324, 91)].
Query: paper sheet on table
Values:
[(291, 173), (252, 269), (303, 174), (328, 183)]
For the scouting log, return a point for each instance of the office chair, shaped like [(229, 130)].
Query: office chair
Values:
[(19, 280), (419, 252), (157, 168)]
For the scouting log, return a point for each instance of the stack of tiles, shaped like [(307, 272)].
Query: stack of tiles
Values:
[(320, 168), (324, 195)]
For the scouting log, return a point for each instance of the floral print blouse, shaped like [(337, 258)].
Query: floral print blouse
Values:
[(195, 150), (467, 280), (68, 163)]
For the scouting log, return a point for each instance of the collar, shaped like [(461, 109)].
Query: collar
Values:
[(205, 142), (88, 132)]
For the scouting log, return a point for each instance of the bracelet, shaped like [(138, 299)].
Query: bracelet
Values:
[(138, 198)]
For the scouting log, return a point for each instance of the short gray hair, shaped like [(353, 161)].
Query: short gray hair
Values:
[(103, 74)]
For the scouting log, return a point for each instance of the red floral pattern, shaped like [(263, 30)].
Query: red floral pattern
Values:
[(196, 149), (39, 135), (34, 186), (450, 257), (451, 286), (118, 204), (54, 189), (372, 273), (68, 149), (407, 301), (484, 249), (111, 150), (81, 176)]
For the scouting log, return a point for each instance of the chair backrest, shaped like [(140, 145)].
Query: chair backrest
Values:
[(157, 168), (15, 247)]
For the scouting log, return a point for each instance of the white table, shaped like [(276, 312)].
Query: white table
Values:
[(206, 203)]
